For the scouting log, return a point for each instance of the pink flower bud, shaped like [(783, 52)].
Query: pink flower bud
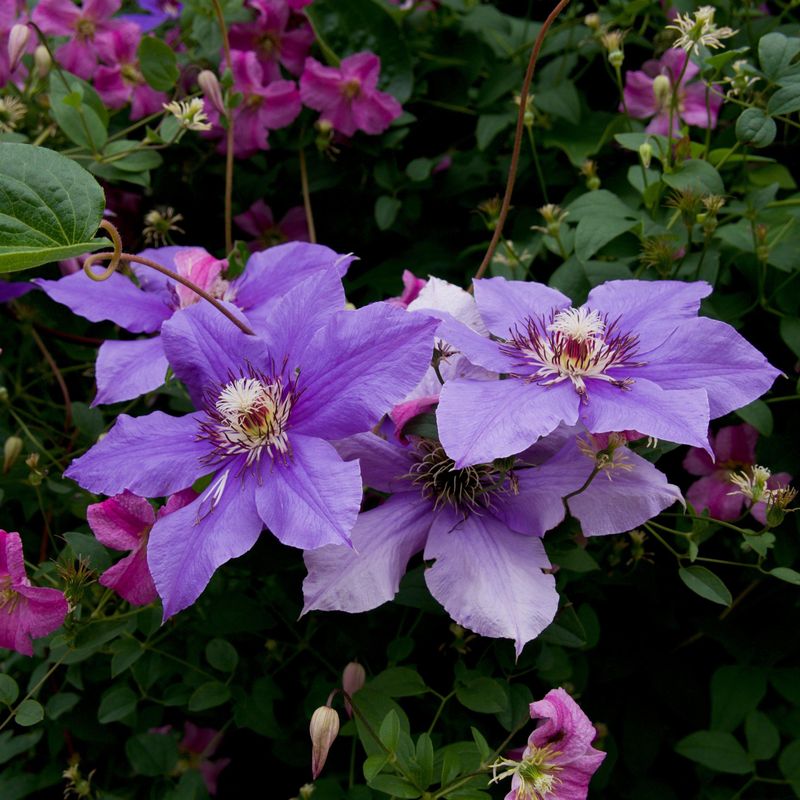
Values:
[(17, 42), (209, 85), (42, 61), (353, 679), (323, 729)]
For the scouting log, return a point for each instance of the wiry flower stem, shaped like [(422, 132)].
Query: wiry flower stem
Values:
[(512, 168), (312, 234), (116, 256)]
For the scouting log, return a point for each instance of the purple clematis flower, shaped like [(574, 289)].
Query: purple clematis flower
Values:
[(348, 96), (267, 406), (26, 612), (260, 223), (123, 522), (559, 761), (127, 369), (635, 356), (156, 12), (481, 525), (88, 27), (648, 93)]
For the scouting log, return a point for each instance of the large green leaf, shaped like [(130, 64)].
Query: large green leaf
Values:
[(50, 208)]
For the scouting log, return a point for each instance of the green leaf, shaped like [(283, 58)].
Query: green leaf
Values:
[(716, 750), (483, 695), (386, 209), (480, 742), (9, 691), (755, 128), (763, 739), (209, 695), (78, 110), (126, 653), (561, 100), (419, 169), (395, 786), (129, 156), (374, 706), (695, 174), (451, 766), (374, 764), (786, 574), (775, 54), (28, 713), (759, 415), (222, 655), (595, 232), (490, 125), (704, 582), (789, 765), (424, 758), (399, 682), (85, 546), (735, 692), (116, 704), (600, 203), (785, 101), (11, 746), (389, 732), (152, 754), (158, 63), (50, 208), (61, 703)]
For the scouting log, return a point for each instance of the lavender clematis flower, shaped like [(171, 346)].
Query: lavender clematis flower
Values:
[(635, 356), (268, 405), (156, 12), (127, 369)]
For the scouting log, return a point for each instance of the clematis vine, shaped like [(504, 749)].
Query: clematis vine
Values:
[(26, 612), (127, 369), (267, 407), (635, 356)]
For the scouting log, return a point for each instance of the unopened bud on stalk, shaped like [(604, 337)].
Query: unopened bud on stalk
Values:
[(646, 154), (324, 728), (353, 678), (17, 43), (12, 448), (592, 21), (42, 61), (209, 85), (662, 89)]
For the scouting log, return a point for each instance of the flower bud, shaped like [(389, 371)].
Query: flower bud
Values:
[(324, 728), (209, 85), (42, 61), (615, 58), (592, 21), (11, 452), (662, 89), (353, 679), (646, 154), (17, 43)]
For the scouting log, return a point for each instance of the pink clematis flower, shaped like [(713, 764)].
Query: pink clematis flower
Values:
[(260, 223), (265, 106), (123, 522), (89, 27), (196, 749), (412, 286), (347, 95), (735, 449), (26, 612), (123, 83), (648, 93), (559, 761)]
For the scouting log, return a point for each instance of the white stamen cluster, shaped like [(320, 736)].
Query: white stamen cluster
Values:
[(11, 112), (534, 777), (699, 30), (190, 113), (752, 484), (579, 324)]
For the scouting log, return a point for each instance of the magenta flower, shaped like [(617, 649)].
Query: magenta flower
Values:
[(123, 83), (277, 35), (347, 95), (635, 356), (648, 93), (266, 105), (268, 407), (412, 286), (123, 522), (88, 27), (26, 612), (12, 12), (734, 450), (260, 223), (199, 744), (559, 761)]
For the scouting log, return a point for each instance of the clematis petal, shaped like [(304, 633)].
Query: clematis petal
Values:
[(382, 464), (120, 521), (505, 304), (130, 578), (127, 369), (716, 494)]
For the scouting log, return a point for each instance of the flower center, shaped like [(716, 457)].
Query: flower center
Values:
[(351, 89), (576, 344), (84, 28), (536, 773), (249, 416), (130, 74), (8, 597)]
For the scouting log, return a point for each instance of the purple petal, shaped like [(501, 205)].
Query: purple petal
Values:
[(483, 420), (151, 456), (707, 354), (187, 546), (128, 369), (677, 416), (314, 499), (117, 299), (383, 464), (504, 304), (11, 291), (384, 539), (121, 521), (489, 579), (716, 494), (480, 350), (359, 366)]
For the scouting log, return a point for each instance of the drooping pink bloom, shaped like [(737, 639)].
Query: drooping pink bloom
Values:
[(26, 612), (260, 223), (88, 25), (648, 93), (202, 269), (735, 449), (123, 82), (266, 105), (276, 36), (123, 522), (412, 286), (196, 748), (11, 14), (559, 761), (347, 95)]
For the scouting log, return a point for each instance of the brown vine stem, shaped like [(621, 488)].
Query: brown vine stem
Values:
[(229, 135), (117, 256), (58, 376), (512, 168), (312, 234)]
